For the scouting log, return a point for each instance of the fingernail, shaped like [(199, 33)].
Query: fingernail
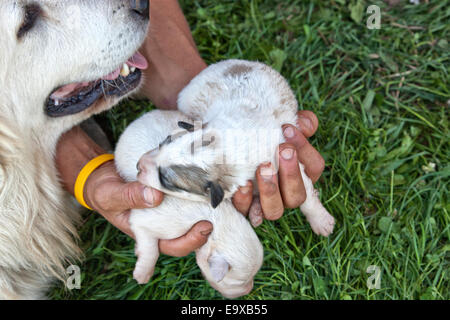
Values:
[(287, 154), (289, 132), (305, 122), (267, 172), (149, 196), (206, 232), (246, 189)]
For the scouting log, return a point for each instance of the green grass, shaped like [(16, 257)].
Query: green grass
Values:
[(382, 97)]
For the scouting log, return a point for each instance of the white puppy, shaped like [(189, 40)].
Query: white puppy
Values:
[(241, 107), (59, 64), (232, 255)]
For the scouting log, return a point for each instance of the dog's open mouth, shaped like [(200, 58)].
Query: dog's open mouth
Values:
[(77, 97)]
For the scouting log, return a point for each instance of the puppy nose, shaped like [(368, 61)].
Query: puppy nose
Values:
[(146, 162), (141, 7), (144, 165)]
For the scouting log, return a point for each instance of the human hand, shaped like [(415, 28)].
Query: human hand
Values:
[(109, 195), (285, 189)]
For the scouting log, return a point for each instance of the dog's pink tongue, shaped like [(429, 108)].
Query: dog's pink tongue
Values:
[(138, 61)]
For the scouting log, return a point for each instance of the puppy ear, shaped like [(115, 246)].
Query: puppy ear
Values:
[(216, 193), (218, 266)]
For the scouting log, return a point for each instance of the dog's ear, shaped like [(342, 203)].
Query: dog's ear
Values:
[(218, 266), (215, 192)]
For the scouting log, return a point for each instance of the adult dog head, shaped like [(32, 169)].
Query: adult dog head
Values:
[(61, 60)]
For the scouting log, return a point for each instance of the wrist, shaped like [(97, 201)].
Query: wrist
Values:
[(84, 175), (75, 149), (93, 193)]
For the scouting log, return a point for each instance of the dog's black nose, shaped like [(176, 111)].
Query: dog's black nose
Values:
[(141, 7)]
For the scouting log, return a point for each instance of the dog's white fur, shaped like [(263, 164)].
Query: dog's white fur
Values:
[(37, 218), (232, 255), (232, 98)]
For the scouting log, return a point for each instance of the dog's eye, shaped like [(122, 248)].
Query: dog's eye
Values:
[(31, 14)]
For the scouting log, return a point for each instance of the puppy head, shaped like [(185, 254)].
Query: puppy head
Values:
[(189, 164), (57, 58), (233, 254), (206, 162)]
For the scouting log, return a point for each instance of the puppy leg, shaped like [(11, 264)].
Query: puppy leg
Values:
[(318, 217), (147, 252)]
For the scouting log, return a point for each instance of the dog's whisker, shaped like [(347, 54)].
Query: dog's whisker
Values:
[(103, 89)]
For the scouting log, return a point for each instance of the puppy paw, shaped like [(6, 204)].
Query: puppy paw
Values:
[(142, 276), (322, 223)]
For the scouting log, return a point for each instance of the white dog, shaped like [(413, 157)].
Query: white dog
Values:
[(232, 255), (59, 64), (241, 107)]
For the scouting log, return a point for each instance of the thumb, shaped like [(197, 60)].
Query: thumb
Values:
[(192, 240), (135, 195)]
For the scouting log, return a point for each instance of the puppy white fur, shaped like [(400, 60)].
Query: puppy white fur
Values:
[(46, 44), (241, 107), (232, 255)]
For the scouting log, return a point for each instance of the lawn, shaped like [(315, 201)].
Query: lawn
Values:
[(382, 98)]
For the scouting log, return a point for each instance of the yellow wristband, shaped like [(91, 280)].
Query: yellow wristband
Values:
[(84, 175)]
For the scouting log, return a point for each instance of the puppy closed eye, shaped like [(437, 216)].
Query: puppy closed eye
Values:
[(32, 12)]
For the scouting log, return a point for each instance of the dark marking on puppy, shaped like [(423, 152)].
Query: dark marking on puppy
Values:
[(186, 126), (192, 179), (216, 193), (183, 178), (166, 141), (171, 138), (237, 70)]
